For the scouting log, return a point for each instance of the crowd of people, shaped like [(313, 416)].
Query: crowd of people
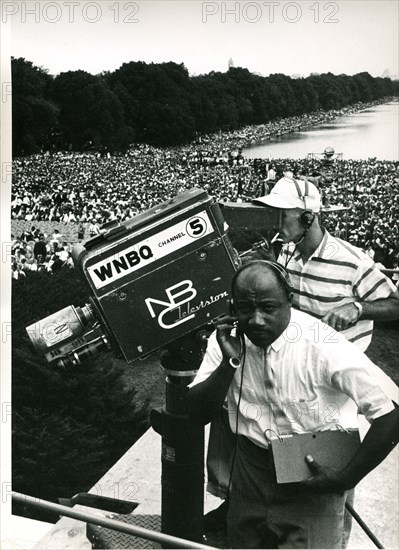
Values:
[(89, 189), (34, 251)]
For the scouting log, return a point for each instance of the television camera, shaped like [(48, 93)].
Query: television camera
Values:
[(152, 279)]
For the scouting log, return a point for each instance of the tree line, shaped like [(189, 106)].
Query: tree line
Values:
[(160, 104)]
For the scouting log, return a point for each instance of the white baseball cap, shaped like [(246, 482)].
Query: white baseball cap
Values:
[(292, 193)]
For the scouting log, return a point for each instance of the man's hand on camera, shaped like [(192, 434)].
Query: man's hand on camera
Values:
[(324, 479), (230, 345), (342, 317)]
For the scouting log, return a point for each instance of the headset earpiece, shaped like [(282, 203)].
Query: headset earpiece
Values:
[(307, 218), (232, 310)]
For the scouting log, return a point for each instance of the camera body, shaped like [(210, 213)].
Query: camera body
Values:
[(152, 279)]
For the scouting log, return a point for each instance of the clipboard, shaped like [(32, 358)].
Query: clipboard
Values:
[(333, 448)]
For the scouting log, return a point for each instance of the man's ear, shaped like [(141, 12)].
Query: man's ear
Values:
[(290, 298)]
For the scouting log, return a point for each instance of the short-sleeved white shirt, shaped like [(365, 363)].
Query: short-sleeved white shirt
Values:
[(311, 378)]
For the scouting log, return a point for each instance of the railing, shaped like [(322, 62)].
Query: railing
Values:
[(161, 538)]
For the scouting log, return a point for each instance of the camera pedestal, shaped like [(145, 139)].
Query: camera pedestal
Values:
[(182, 443)]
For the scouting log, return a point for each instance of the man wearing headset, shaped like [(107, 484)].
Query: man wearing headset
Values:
[(332, 280), (257, 359)]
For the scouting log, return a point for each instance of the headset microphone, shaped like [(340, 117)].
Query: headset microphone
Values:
[(302, 237), (307, 216)]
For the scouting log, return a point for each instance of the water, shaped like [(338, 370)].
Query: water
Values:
[(370, 133)]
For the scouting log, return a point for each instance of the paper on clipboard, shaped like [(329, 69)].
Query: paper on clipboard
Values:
[(333, 448)]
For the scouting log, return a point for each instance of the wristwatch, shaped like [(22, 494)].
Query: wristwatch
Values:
[(359, 307), (234, 362)]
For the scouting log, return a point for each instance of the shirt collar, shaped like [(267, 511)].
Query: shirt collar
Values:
[(280, 341), (318, 253)]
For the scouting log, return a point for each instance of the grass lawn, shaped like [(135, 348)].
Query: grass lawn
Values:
[(384, 349), (148, 378)]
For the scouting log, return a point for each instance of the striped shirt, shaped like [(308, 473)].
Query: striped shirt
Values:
[(301, 383), (335, 274)]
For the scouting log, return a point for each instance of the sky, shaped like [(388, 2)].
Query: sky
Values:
[(294, 38)]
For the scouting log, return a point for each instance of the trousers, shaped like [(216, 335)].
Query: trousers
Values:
[(264, 514)]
